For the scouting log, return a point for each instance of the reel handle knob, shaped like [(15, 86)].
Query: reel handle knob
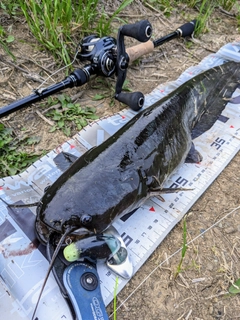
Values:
[(187, 29), (135, 100), (140, 31)]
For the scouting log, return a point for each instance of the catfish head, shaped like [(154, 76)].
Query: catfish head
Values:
[(86, 203), (64, 218)]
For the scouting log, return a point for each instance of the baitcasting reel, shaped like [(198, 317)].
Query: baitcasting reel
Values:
[(107, 56), (100, 52)]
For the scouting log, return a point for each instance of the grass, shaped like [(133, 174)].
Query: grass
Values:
[(5, 40), (184, 249), (205, 11), (115, 300)]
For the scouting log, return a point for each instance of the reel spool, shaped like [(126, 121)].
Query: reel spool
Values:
[(100, 52)]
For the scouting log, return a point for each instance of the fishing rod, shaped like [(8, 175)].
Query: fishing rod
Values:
[(107, 56)]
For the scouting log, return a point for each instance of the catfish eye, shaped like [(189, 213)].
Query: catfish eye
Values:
[(85, 219)]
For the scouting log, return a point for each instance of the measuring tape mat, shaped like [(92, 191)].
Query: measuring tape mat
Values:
[(23, 268)]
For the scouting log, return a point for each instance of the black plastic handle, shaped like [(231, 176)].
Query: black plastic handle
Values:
[(134, 100), (141, 30), (187, 29)]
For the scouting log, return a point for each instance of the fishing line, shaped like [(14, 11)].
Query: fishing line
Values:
[(55, 72), (172, 255)]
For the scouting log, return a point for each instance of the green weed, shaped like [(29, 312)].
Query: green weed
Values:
[(71, 116), (12, 160), (184, 249), (235, 287), (5, 40), (115, 300), (10, 7)]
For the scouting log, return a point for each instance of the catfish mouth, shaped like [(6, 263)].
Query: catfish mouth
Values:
[(82, 232), (43, 232)]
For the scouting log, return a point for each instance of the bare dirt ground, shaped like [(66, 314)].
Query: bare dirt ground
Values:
[(212, 262)]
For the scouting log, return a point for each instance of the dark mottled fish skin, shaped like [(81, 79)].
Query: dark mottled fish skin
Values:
[(225, 81), (113, 178)]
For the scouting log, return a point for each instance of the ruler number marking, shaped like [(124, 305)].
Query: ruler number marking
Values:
[(218, 143), (126, 238), (179, 182)]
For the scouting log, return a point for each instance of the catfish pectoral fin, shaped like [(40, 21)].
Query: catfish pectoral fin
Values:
[(156, 194), (173, 190), (157, 191), (193, 155)]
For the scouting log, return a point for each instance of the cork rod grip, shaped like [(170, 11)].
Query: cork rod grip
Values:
[(139, 50)]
